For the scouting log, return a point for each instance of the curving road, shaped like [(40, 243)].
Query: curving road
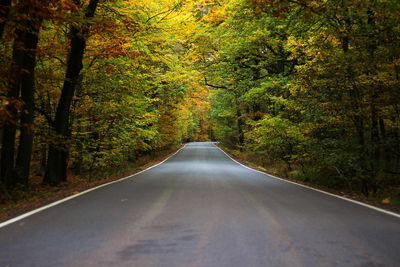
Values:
[(200, 208)]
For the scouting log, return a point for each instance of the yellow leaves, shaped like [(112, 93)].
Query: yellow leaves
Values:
[(148, 116), (216, 15)]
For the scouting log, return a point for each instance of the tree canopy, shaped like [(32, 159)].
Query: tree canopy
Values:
[(313, 85)]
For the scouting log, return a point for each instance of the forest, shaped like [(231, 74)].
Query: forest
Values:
[(307, 89)]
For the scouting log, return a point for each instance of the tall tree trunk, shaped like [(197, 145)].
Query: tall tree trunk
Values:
[(4, 10), (8, 142), (56, 170), (375, 138), (77, 165), (43, 159), (240, 127), (22, 165), (385, 146)]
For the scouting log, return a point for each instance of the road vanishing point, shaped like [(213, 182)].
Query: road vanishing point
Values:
[(200, 208)]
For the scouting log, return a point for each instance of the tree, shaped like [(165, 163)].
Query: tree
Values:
[(56, 170), (5, 6), (22, 79), (22, 164), (323, 70)]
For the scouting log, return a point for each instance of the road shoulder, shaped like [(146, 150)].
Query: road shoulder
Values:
[(385, 208), (76, 186)]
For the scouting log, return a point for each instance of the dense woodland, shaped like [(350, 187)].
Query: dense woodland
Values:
[(312, 85)]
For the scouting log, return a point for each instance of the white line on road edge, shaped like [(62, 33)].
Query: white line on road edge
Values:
[(324, 192), (23, 216)]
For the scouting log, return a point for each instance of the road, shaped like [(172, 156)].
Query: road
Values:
[(200, 208)]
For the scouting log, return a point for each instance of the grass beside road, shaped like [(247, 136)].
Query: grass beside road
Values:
[(388, 200), (20, 201)]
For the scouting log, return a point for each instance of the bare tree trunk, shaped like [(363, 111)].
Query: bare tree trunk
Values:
[(43, 158), (56, 170), (4, 10), (22, 165), (8, 142)]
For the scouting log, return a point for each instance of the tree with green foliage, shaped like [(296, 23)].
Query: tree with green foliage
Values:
[(308, 83)]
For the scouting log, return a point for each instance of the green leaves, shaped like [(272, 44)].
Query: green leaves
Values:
[(309, 83)]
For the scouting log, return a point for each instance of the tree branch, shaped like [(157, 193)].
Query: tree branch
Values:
[(213, 86), (167, 12), (48, 118)]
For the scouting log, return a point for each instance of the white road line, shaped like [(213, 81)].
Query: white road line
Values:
[(23, 216), (324, 192)]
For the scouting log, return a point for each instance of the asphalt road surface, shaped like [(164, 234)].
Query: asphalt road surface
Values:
[(200, 208)]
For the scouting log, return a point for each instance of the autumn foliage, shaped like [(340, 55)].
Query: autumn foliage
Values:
[(110, 80), (311, 85)]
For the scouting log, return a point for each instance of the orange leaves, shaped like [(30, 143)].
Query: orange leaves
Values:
[(216, 15), (99, 48), (111, 35), (62, 6)]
